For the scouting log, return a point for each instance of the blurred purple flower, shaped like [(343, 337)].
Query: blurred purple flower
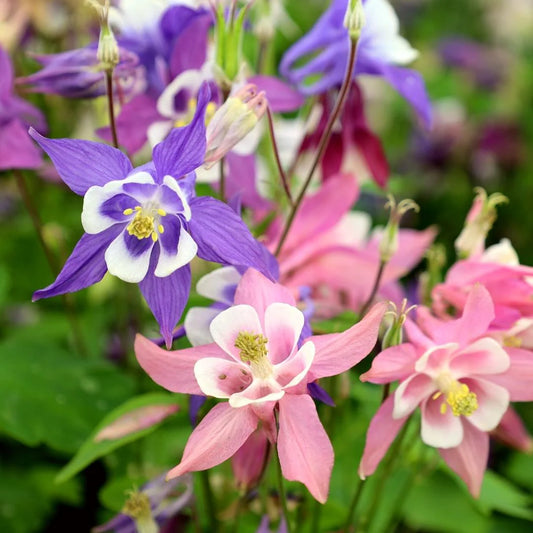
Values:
[(380, 50), (486, 65), (77, 74), (165, 502), (145, 225), (16, 148)]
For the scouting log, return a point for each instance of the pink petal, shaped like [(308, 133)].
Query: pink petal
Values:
[(492, 400), (511, 431), (415, 334), (436, 359), (260, 391), (250, 459), (411, 393), (173, 370), (283, 326), (337, 352), (321, 211), (477, 315), (518, 378), (380, 435), (221, 378), (305, 452), (440, 430), (484, 356), (469, 459), (216, 438), (140, 418), (293, 370), (227, 325), (259, 292), (393, 364)]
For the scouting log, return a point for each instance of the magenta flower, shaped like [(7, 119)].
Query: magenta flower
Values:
[(16, 148), (462, 380), (258, 365)]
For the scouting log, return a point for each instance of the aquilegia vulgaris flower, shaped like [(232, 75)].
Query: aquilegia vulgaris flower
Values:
[(260, 366), (145, 224)]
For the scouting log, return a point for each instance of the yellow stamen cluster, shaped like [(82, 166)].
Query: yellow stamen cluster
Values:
[(253, 350), (192, 104), (460, 399), (143, 224), (137, 505)]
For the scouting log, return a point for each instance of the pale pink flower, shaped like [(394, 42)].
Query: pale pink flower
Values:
[(260, 366), (463, 381), (332, 250)]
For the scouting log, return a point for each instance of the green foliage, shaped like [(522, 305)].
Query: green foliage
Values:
[(92, 449), (51, 397)]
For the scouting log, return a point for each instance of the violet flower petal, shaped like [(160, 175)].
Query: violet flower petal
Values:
[(223, 237), (167, 296), (85, 266), (184, 149), (82, 164)]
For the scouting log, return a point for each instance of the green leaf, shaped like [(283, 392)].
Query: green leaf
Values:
[(52, 397), (499, 494), (335, 325), (94, 449), (437, 503)]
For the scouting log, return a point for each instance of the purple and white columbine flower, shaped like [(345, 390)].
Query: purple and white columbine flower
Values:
[(144, 225), (380, 52)]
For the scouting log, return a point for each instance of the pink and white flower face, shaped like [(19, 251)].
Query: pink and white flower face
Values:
[(453, 387), (264, 360)]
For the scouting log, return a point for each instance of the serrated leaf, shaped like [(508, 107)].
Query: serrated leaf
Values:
[(93, 449), (52, 397)]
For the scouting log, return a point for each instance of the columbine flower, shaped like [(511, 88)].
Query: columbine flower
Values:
[(16, 148), (145, 225), (257, 364), (461, 378), (380, 50), (79, 74)]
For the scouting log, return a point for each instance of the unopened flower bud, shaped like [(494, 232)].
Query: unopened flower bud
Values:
[(478, 223), (388, 245), (138, 507), (394, 334), (354, 19), (233, 121), (108, 52)]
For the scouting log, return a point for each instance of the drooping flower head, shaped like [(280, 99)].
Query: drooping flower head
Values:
[(257, 364), (380, 51), (145, 225)]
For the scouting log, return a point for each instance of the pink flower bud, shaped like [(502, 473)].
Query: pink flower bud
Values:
[(233, 121)]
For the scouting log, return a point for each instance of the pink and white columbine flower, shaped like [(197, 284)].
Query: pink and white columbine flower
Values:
[(463, 381), (258, 364)]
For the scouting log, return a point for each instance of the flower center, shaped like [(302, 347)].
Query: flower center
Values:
[(458, 396), (253, 351), (143, 224), (191, 110)]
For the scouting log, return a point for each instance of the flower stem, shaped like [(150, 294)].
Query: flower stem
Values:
[(282, 174), (209, 500), (281, 492), (50, 258), (375, 288), (353, 505), (111, 106), (222, 181), (393, 454), (326, 136)]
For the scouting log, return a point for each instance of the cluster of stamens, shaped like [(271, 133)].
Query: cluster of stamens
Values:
[(192, 104), (459, 397), (253, 350), (143, 224)]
